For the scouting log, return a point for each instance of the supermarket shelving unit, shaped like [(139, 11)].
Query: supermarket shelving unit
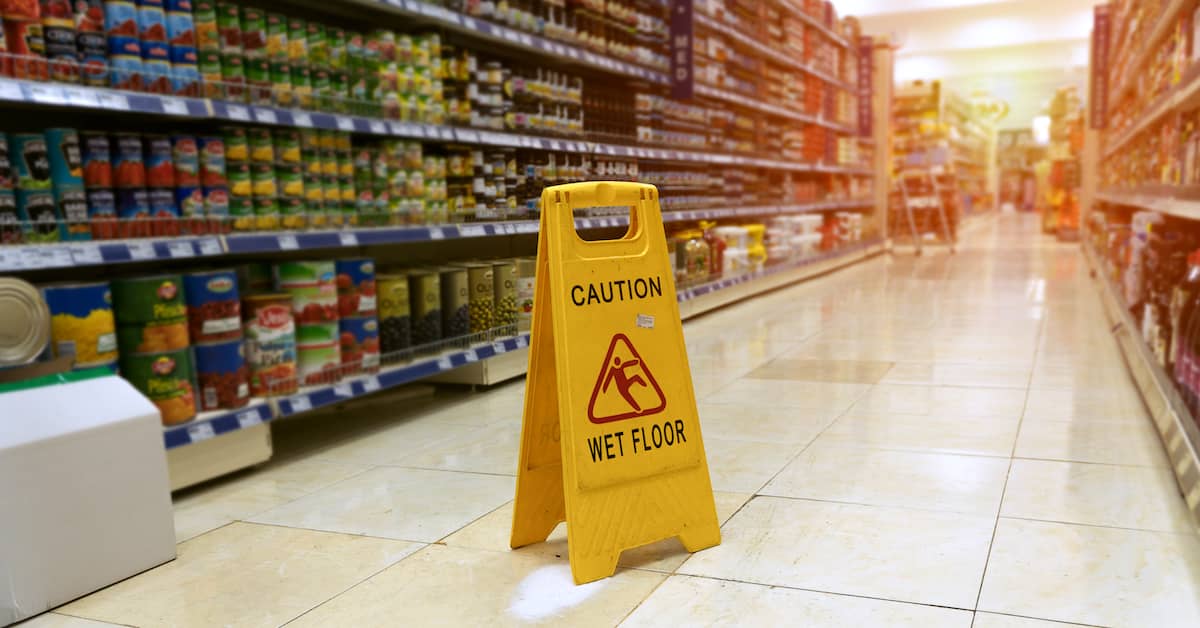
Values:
[(223, 441), (1128, 167)]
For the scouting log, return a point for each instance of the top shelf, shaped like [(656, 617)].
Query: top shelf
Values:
[(765, 51), (1161, 27)]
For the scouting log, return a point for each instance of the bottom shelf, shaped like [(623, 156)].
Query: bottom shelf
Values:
[(1179, 432), (221, 442)]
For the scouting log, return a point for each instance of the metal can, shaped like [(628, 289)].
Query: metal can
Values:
[(504, 291), (166, 378), (318, 47), (261, 146), (152, 21), (32, 160), (222, 375), (212, 161), (185, 155), (319, 303), (120, 18), (208, 63), (229, 24), (293, 214), (240, 183), (241, 212), (216, 202), (66, 158), (318, 353), (102, 213), (27, 47), (258, 81), (289, 180), (266, 213), (10, 218), (81, 322), (301, 86), (297, 42), (262, 179), (287, 146), (159, 164), (213, 308), (395, 331), (133, 204), (456, 316), (8, 180), (72, 209), (163, 210), (355, 286), (37, 209), (151, 314), (233, 76), (129, 171), (237, 145), (125, 62), (181, 28), (91, 41), (277, 37), (208, 33), (481, 296), (359, 340), (58, 31), (190, 201), (526, 281), (26, 320), (425, 307), (156, 67), (270, 344), (97, 160), (185, 71), (254, 32)]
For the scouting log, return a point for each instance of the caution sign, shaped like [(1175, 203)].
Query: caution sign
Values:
[(610, 441)]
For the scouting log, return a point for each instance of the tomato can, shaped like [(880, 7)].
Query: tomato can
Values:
[(216, 201), (27, 47), (185, 71), (102, 213), (185, 156), (190, 201), (356, 286), (158, 160), (318, 353), (91, 42), (270, 343), (97, 159), (222, 375), (156, 67), (81, 322), (152, 21), (125, 62), (211, 152), (213, 306), (151, 314), (133, 203), (181, 28), (129, 169), (359, 340), (167, 379), (163, 210)]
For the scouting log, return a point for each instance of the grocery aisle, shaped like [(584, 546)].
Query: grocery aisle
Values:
[(900, 443)]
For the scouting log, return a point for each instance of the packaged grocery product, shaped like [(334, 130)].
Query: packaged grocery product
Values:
[(270, 344), (10, 218), (185, 71), (204, 19), (455, 299), (181, 28), (31, 158), (96, 156), (58, 30), (222, 376), (504, 282), (359, 340), (81, 322), (102, 212), (72, 209), (125, 62), (356, 286), (213, 306), (158, 160), (152, 21), (229, 24), (480, 296), (166, 378), (425, 306), (27, 47), (128, 165), (211, 153), (36, 208), (318, 353), (151, 314), (394, 313), (313, 289), (65, 156), (91, 42), (26, 321)]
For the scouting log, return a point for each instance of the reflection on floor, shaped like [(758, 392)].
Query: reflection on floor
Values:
[(934, 441)]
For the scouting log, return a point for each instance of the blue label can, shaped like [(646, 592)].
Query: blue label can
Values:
[(359, 340), (222, 375)]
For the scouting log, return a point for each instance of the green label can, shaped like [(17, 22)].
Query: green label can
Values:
[(318, 353), (481, 296), (318, 47), (262, 147), (287, 146), (236, 146), (292, 213), (266, 213), (302, 86), (158, 298), (241, 210), (277, 37), (167, 379), (336, 41), (290, 180), (262, 178)]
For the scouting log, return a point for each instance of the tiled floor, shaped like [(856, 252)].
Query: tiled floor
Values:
[(935, 441)]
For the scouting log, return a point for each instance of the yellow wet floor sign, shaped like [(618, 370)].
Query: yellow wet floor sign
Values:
[(610, 441)]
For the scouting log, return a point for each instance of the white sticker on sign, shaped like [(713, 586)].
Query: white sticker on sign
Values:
[(499, 347), (344, 123), (266, 116), (645, 321)]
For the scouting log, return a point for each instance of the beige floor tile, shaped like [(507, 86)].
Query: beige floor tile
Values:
[(212, 506), (396, 503), (455, 586), (941, 400), (994, 620), (1091, 575), (896, 554), (904, 479), (913, 432), (492, 533), (1091, 441), (491, 449), (1122, 403), (58, 620), (690, 601), (1145, 498), (395, 444), (244, 575), (839, 371), (740, 466), (958, 374), (762, 423), (821, 396)]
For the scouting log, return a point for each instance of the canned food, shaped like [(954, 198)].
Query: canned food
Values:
[(151, 314), (185, 154), (212, 161), (27, 47), (261, 146), (270, 344), (254, 32), (190, 201), (394, 313), (526, 281), (133, 204), (72, 208), (181, 28), (241, 210), (481, 296), (26, 319), (213, 307), (425, 307), (32, 159), (355, 286), (237, 146), (359, 340), (262, 179), (258, 79), (158, 163), (266, 213), (156, 67), (301, 86), (120, 18), (312, 287), (8, 180), (97, 160), (129, 171), (504, 282), (125, 62), (152, 22), (81, 322), (185, 71), (58, 31), (318, 353), (91, 42), (216, 201), (37, 209), (212, 75), (292, 213), (229, 24), (318, 47), (287, 146), (240, 183), (10, 218), (297, 41), (162, 208), (204, 18), (102, 213), (290, 180), (456, 316), (66, 159), (222, 375), (166, 379)]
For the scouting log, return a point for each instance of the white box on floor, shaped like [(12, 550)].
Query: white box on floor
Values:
[(84, 498)]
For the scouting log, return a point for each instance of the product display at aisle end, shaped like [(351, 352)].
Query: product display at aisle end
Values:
[(1142, 233), (297, 209)]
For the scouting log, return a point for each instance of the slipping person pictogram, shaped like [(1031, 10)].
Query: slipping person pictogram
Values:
[(625, 388)]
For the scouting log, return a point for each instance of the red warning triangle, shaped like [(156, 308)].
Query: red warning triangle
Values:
[(625, 388)]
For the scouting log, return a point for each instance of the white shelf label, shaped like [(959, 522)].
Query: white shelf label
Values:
[(444, 363), (141, 250), (248, 418), (200, 432), (378, 127), (509, 228), (472, 231), (347, 238), (344, 123), (47, 94), (210, 246), (302, 118), (371, 383), (180, 249), (11, 91), (86, 254), (436, 233), (288, 242), (9, 260), (471, 356), (110, 100), (266, 116), (522, 342), (175, 106), (446, 134), (300, 403), (238, 112), (81, 97), (498, 347), (343, 389)]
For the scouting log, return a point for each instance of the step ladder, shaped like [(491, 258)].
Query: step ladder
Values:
[(919, 198)]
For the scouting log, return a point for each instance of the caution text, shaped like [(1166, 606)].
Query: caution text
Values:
[(635, 441), (619, 290)]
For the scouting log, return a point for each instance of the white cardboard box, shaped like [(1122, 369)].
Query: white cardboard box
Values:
[(84, 497)]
